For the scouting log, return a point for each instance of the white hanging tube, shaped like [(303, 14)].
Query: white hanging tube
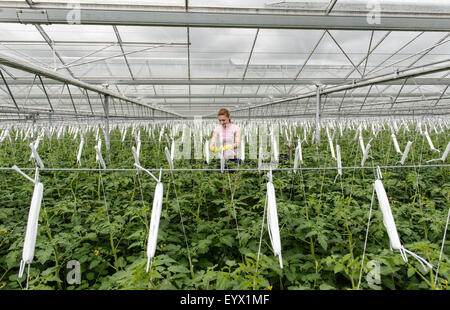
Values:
[(99, 157), (361, 143), (330, 142), (36, 156), (365, 155), (168, 157), (444, 155), (389, 223), (124, 134), (396, 146), (207, 151), (80, 149), (339, 161), (260, 159), (135, 155), (272, 222), (32, 225), (33, 220), (242, 150), (405, 153), (388, 219), (172, 150), (154, 223), (430, 142), (138, 143)]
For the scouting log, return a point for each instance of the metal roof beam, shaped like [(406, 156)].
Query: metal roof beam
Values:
[(398, 75), (226, 81), (110, 15), (22, 64)]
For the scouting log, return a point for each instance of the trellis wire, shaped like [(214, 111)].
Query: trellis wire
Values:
[(232, 169)]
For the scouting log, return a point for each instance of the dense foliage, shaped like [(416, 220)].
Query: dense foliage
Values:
[(101, 219)]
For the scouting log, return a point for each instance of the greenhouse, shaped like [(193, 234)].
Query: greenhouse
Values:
[(211, 145)]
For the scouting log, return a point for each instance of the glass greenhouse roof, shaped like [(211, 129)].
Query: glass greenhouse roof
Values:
[(252, 57)]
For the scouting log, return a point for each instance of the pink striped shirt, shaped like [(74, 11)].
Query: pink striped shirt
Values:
[(227, 135)]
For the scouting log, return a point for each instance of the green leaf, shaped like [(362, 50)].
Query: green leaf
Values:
[(322, 241), (178, 269), (410, 272), (325, 286), (338, 267), (222, 282), (227, 240)]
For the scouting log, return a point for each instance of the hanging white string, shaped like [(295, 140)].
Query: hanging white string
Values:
[(99, 157), (297, 155), (444, 155), (178, 205), (405, 152), (169, 158), (396, 146), (172, 150), (367, 237), (272, 220), (242, 150), (330, 142), (154, 223), (365, 154), (151, 174), (389, 223), (339, 162), (430, 142), (206, 149), (32, 223), (36, 156), (80, 149)]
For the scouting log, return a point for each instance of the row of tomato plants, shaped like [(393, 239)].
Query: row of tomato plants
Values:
[(101, 219)]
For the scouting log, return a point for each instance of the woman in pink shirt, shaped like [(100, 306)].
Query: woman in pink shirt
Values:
[(228, 136)]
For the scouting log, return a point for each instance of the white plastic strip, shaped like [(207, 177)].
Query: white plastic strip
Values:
[(172, 150), (154, 224), (444, 155), (242, 150), (80, 149), (32, 226), (365, 155), (430, 142), (36, 156), (405, 152), (396, 146), (168, 157), (330, 142), (207, 151), (274, 147), (388, 219), (272, 222), (339, 161), (99, 157)]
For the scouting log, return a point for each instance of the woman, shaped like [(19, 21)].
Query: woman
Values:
[(228, 136)]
